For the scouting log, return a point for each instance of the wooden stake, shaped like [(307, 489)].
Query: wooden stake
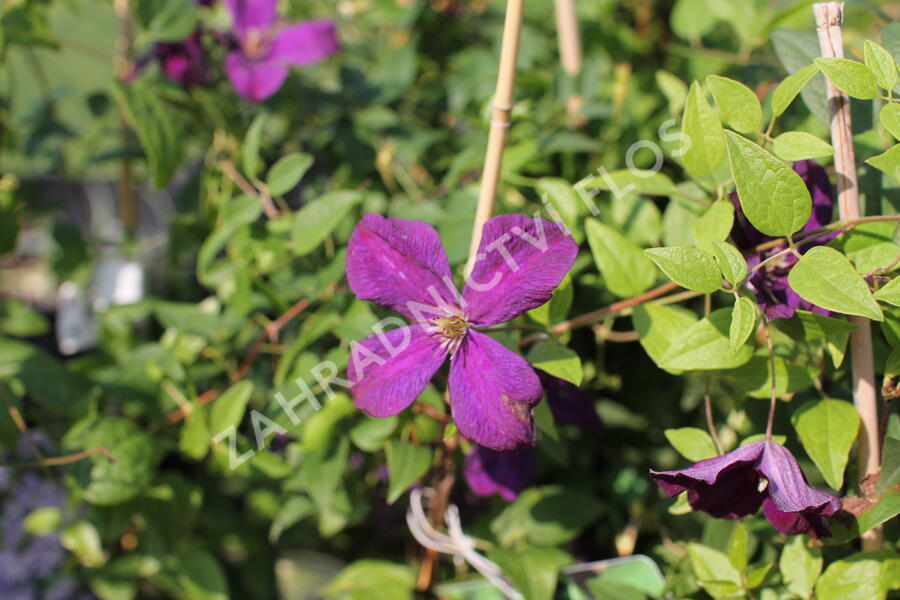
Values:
[(829, 17), (569, 38), (500, 119)]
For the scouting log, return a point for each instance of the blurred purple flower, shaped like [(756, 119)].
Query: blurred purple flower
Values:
[(183, 62), (401, 265), (763, 473), (265, 52), (570, 404), (501, 472), (770, 284)]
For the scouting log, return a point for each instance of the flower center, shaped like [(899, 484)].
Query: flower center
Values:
[(452, 329), (256, 43)]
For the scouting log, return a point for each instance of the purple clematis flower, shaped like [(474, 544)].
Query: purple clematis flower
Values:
[(761, 473), (501, 472), (265, 52), (570, 404), (401, 265), (770, 284)]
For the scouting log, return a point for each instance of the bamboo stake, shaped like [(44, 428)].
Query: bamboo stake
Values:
[(829, 18), (500, 119), (122, 65), (569, 38)]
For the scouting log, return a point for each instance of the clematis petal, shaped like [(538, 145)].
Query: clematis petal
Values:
[(305, 43), (520, 262), (570, 404), (247, 15), (726, 486), (387, 373), (255, 80), (807, 522), (502, 472), (787, 486), (400, 264), (816, 180), (492, 393)]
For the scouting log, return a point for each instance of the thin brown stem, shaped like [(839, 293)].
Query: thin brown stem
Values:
[(57, 461), (710, 423), (594, 316)]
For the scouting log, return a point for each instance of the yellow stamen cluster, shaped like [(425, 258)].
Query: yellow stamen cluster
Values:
[(452, 329)]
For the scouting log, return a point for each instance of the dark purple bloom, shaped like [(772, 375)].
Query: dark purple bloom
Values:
[(761, 473), (183, 62), (770, 284), (501, 472), (265, 51), (570, 404), (401, 265)]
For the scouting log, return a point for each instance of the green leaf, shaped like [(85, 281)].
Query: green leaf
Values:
[(738, 104), (737, 547), (626, 271), (704, 147), (201, 577), (851, 77), (20, 320), (869, 246), (193, 440), (714, 225), (807, 326), (289, 514), (890, 293), (754, 379), (532, 571), (826, 278), (788, 89), (154, 122), (887, 162), (731, 261), (371, 433), (287, 172), (659, 326), (42, 521), (319, 429), (317, 219), (172, 20), (881, 65), (743, 321), (106, 482), (562, 196), (250, 158), (710, 565), (774, 198), (406, 464), (229, 408), (890, 464), (799, 145), (706, 345), (557, 360), (628, 181), (889, 117), (637, 572), (367, 579), (827, 429), (800, 565), (885, 509), (692, 443), (674, 89), (81, 539), (545, 516), (862, 575), (691, 268)]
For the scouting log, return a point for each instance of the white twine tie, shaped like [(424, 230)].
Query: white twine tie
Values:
[(457, 543)]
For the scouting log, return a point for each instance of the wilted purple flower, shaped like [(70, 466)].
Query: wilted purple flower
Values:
[(501, 472), (770, 284), (570, 404), (401, 264), (183, 62), (761, 473), (265, 52)]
